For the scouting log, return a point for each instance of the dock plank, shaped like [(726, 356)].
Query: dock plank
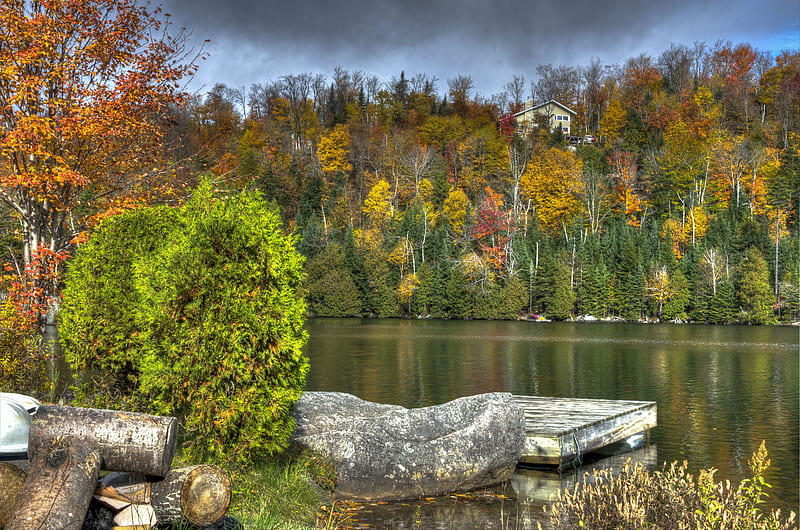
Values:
[(559, 429)]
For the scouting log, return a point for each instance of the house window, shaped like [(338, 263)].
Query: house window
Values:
[(561, 117)]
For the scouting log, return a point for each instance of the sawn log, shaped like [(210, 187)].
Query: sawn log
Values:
[(200, 494), (11, 479), (59, 486), (126, 441)]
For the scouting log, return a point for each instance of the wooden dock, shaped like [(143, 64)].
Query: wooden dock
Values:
[(559, 430), (541, 485)]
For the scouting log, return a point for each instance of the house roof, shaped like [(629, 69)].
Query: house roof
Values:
[(546, 103)]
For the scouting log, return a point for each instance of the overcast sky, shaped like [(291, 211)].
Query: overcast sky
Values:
[(257, 41)]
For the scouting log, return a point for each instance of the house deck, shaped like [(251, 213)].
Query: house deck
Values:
[(559, 430)]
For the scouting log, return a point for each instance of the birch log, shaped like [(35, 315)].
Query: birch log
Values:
[(59, 486), (11, 479), (200, 494), (127, 441)]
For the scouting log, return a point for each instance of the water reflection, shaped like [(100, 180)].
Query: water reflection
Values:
[(720, 389)]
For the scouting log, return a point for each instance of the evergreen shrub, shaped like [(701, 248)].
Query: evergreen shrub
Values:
[(197, 312)]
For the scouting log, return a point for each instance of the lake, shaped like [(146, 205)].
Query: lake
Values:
[(720, 389)]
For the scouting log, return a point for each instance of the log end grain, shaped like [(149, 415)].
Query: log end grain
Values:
[(206, 495)]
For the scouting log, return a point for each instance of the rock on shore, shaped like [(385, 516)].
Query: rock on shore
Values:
[(387, 452)]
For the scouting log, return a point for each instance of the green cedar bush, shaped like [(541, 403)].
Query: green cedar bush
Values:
[(196, 312)]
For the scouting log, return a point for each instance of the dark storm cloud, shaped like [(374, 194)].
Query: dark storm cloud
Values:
[(256, 40)]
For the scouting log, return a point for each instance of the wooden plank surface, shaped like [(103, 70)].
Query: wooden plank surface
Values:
[(559, 429)]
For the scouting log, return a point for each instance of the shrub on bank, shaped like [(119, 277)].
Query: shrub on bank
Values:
[(23, 354), (669, 499), (192, 311)]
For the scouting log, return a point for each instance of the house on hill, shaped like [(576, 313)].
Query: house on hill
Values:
[(559, 116)]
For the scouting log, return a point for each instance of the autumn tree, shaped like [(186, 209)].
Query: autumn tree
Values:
[(459, 89), (455, 209), (218, 123), (626, 184), (333, 151), (553, 183), (779, 94), (85, 94), (613, 121), (657, 287), (492, 230)]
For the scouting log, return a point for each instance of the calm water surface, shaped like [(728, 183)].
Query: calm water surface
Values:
[(720, 389)]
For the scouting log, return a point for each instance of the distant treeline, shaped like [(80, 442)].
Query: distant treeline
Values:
[(413, 202)]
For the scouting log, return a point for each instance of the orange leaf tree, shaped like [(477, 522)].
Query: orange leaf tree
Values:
[(86, 88)]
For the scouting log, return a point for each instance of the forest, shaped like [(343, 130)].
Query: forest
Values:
[(417, 197), (416, 203)]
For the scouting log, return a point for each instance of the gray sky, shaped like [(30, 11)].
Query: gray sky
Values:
[(257, 41)]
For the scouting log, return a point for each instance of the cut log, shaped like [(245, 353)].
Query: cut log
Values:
[(59, 486), (127, 441), (199, 494), (11, 478)]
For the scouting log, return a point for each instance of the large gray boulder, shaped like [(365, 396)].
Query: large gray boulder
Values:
[(387, 452)]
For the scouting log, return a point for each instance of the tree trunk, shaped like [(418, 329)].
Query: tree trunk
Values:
[(57, 492), (126, 441), (11, 477)]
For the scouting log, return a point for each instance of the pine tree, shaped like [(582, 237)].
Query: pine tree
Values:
[(563, 297), (756, 296), (513, 298), (459, 297), (330, 290), (679, 296), (595, 290), (722, 306), (630, 282)]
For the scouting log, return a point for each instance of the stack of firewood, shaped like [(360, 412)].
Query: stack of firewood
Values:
[(69, 446)]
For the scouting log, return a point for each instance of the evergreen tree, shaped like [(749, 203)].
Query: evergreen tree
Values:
[(459, 297), (594, 291), (756, 296), (560, 305), (354, 262), (513, 298), (425, 290), (380, 293), (722, 306), (198, 316), (630, 282), (679, 296), (330, 290)]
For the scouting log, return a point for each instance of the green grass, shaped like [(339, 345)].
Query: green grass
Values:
[(281, 494)]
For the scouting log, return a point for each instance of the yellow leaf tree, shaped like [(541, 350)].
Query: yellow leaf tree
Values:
[(378, 206), (333, 150), (553, 183), (613, 121), (454, 210)]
